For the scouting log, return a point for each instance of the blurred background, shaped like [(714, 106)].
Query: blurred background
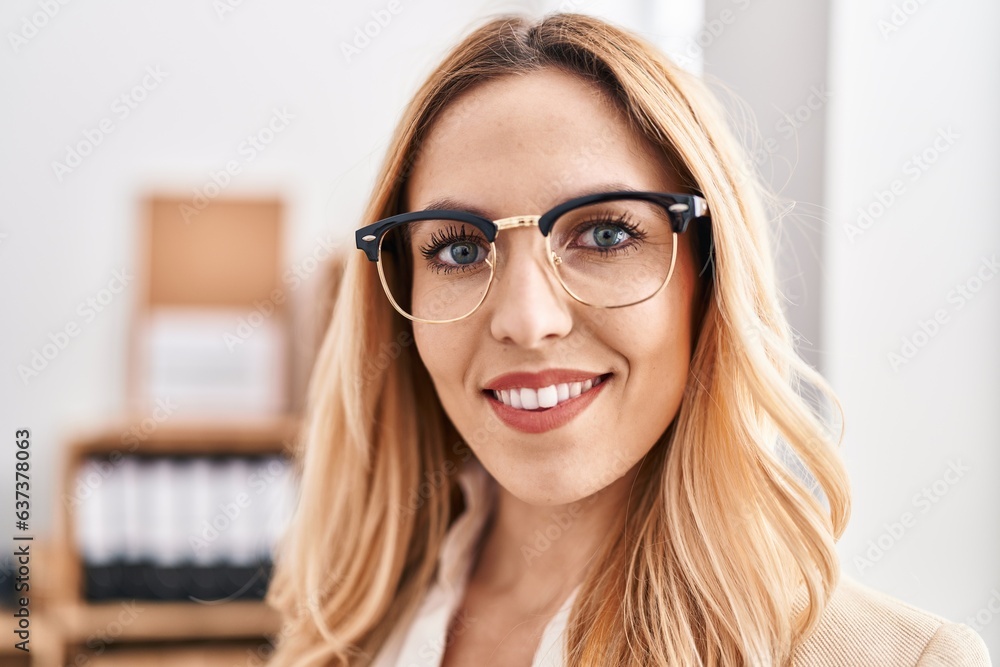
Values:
[(179, 179)]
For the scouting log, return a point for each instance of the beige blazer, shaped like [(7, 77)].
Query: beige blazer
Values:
[(862, 626)]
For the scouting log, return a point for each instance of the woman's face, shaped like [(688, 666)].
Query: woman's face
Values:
[(520, 145)]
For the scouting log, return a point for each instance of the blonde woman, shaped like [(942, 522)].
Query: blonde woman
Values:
[(557, 418)]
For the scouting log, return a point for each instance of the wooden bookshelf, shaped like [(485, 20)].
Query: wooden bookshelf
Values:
[(161, 632)]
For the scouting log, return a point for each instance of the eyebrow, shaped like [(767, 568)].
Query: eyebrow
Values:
[(453, 204)]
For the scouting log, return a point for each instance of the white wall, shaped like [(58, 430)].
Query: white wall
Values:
[(899, 81), (772, 57), (853, 297)]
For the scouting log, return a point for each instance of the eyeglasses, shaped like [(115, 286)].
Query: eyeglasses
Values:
[(608, 250)]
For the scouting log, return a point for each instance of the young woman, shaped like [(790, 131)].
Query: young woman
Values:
[(557, 418)]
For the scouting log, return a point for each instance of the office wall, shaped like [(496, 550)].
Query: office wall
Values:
[(877, 120), (911, 297)]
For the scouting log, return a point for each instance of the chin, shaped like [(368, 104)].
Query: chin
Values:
[(555, 490)]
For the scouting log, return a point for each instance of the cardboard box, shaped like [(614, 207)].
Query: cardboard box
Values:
[(210, 332)]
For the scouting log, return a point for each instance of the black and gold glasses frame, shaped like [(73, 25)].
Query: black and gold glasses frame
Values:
[(682, 210)]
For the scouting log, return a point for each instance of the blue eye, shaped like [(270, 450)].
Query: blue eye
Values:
[(453, 250), (604, 234), (463, 252), (607, 236)]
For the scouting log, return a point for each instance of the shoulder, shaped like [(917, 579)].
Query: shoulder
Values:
[(862, 626)]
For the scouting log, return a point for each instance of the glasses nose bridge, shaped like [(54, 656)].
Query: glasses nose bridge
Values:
[(517, 221)]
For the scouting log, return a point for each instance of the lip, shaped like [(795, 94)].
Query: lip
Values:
[(541, 379), (540, 421)]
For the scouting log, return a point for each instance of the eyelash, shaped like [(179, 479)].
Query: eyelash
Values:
[(442, 239), (624, 221), (439, 240)]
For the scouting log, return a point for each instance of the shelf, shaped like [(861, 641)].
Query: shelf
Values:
[(142, 621), (262, 435), (179, 656), (150, 632)]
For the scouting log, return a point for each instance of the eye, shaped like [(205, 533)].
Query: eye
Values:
[(606, 235), (452, 249), (460, 252)]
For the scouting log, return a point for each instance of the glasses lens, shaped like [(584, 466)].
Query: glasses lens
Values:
[(613, 253), (443, 268)]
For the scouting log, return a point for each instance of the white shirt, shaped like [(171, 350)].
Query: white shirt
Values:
[(422, 642)]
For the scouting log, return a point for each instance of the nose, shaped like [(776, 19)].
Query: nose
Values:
[(527, 305)]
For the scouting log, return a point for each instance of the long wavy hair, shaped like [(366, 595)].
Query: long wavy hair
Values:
[(728, 555)]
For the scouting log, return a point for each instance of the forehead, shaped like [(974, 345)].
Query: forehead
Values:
[(524, 143)]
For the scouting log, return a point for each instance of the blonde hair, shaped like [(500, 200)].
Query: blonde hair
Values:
[(725, 539)]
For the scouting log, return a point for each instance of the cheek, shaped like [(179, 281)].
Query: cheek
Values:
[(655, 341), (441, 352), (427, 342), (657, 329)]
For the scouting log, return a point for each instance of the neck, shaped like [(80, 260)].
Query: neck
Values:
[(535, 556)]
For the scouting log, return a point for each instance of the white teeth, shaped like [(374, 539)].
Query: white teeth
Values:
[(529, 398), (524, 398), (547, 396)]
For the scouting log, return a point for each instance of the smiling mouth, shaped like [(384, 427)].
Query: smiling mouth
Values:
[(544, 398)]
